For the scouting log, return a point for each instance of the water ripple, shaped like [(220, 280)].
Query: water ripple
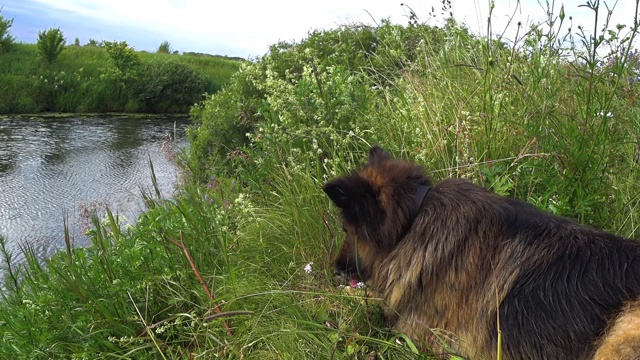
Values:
[(49, 167)]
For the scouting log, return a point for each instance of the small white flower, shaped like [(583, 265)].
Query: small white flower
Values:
[(308, 268)]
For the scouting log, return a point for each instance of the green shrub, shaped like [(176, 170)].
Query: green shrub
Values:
[(18, 95), (126, 65), (5, 37), (300, 89), (123, 57), (50, 44), (166, 85)]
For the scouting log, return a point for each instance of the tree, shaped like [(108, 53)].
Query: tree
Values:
[(50, 44), (5, 38), (126, 63), (164, 48), (93, 43), (124, 57)]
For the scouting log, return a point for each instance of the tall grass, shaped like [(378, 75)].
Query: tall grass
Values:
[(240, 264)]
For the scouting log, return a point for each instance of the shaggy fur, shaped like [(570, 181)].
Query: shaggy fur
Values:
[(458, 258)]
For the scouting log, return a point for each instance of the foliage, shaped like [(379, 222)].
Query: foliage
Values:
[(323, 84), (5, 36), (546, 120), (120, 77), (125, 60), (124, 57), (166, 85), (164, 48), (50, 44), (94, 43), (85, 79)]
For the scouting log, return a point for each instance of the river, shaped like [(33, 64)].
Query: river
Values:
[(54, 166)]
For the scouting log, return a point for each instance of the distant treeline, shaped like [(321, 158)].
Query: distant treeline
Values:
[(107, 77), (236, 58)]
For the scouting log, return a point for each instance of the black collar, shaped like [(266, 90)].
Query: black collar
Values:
[(419, 195), (418, 198)]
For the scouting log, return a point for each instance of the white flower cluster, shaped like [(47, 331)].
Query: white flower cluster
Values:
[(308, 268)]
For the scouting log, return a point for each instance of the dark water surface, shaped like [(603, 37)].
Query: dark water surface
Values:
[(53, 166)]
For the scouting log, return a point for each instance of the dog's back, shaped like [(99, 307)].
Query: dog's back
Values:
[(472, 263)]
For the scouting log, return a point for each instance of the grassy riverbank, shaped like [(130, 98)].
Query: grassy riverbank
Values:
[(81, 80), (240, 265)]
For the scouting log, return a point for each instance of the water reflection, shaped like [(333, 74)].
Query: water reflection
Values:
[(49, 167)]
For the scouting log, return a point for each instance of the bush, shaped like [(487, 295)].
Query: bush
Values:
[(165, 85), (50, 44), (5, 37), (321, 86), (19, 95)]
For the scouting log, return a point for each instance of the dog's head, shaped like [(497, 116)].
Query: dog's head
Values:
[(379, 204)]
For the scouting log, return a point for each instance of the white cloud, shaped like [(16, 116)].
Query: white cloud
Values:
[(250, 26)]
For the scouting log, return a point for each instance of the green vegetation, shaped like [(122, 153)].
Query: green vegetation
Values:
[(107, 77), (221, 271), (164, 48), (50, 44), (5, 37)]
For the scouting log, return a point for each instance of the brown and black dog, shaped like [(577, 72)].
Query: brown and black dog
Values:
[(456, 257)]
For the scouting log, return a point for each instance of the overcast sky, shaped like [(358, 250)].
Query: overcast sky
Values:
[(246, 28)]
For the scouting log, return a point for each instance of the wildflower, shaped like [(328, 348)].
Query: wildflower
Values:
[(308, 268), (213, 183)]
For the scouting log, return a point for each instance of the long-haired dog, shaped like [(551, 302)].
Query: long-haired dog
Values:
[(456, 257)]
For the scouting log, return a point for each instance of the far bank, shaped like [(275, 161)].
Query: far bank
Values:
[(91, 79)]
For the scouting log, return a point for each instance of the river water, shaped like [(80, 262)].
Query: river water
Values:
[(50, 167)]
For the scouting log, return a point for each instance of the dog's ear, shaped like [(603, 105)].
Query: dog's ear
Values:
[(347, 192), (357, 199), (378, 155)]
